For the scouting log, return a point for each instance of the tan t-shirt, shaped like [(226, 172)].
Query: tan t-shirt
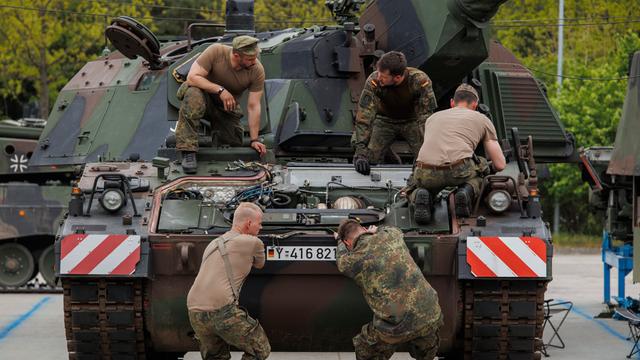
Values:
[(453, 134), (216, 60), (211, 289)]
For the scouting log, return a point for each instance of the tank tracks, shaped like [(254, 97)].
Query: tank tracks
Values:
[(503, 319), (103, 319)]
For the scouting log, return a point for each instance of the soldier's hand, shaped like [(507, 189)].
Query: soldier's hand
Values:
[(259, 147), (492, 169), (361, 164), (372, 229), (228, 100)]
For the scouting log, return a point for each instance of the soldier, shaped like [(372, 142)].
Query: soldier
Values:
[(216, 80), (396, 100), (405, 307), (447, 156), (214, 313)]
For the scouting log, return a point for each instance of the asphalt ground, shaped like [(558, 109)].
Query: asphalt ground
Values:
[(31, 325)]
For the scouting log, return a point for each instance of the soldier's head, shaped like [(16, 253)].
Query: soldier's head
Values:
[(245, 52), (391, 68), (247, 219), (465, 96), (348, 231)]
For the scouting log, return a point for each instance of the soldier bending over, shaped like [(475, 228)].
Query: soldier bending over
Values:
[(214, 313), (446, 157), (215, 82), (396, 100), (405, 307)]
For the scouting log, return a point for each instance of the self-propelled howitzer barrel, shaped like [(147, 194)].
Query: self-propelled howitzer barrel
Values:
[(445, 38)]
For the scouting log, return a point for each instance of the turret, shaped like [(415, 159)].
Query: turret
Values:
[(447, 39)]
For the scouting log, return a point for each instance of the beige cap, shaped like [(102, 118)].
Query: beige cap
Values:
[(468, 88), (246, 45)]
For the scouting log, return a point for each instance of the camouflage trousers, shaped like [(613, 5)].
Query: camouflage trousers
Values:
[(229, 326), (371, 344), (435, 180), (384, 132), (197, 104)]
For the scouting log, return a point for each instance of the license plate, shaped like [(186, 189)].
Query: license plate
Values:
[(301, 253)]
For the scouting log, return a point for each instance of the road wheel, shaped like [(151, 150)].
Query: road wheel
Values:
[(46, 263), (16, 265)]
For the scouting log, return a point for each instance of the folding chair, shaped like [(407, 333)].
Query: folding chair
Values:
[(633, 320), (562, 309)]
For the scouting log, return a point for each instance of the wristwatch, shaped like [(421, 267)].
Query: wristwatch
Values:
[(220, 90)]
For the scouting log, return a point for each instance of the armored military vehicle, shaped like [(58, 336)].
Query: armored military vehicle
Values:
[(133, 240), (32, 203), (613, 173)]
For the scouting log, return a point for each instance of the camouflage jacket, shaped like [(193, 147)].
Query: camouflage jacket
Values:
[(400, 297), (369, 104)]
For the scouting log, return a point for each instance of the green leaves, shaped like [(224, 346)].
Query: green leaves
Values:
[(44, 42), (599, 37)]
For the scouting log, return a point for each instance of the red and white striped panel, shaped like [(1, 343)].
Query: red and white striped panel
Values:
[(507, 256), (99, 254)]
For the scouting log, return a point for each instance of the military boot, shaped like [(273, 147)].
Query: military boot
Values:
[(464, 200), (422, 207), (189, 162)]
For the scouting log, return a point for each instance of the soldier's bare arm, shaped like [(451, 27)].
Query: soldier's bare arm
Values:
[(494, 152), (197, 77), (258, 257), (254, 109)]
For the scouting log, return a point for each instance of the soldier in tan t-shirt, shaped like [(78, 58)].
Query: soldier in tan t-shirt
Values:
[(214, 313), (445, 158), (216, 79)]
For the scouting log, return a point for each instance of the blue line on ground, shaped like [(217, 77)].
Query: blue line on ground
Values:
[(4, 332), (598, 322)]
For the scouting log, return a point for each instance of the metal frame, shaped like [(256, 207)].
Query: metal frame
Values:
[(633, 320), (620, 257), (551, 308), (112, 177)]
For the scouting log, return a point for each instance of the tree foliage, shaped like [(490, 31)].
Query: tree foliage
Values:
[(599, 37), (44, 42)]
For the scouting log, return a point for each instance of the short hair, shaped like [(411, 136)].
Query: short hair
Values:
[(346, 228), (464, 96), (246, 211), (393, 61)]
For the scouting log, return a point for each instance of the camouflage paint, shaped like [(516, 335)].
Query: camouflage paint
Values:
[(88, 120), (625, 159), (314, 78)]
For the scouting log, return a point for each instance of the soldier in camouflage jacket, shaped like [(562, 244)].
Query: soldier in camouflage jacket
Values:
[(405, 307), (396, 100)]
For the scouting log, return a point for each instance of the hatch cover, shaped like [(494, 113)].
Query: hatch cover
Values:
[(133, 39)]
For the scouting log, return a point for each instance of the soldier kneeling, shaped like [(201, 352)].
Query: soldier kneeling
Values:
[(405, 307)]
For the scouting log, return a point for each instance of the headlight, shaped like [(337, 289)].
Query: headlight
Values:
[(499, 200), (112, 200)]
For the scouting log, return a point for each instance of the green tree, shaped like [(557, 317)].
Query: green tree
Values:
[(599, 36), (44, 42), (591, 111), (173, 19), (278, 14)]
